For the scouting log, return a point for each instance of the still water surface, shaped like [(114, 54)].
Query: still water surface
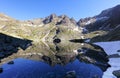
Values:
[(24, 68)]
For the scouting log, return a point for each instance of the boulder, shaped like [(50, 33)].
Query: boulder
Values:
[(11, 62), (47, 59), (118, 50), (116, 73)]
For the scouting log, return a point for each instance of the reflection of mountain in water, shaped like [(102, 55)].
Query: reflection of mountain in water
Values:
[(64, 52), (10, 45), (24, 68), (61, 59)]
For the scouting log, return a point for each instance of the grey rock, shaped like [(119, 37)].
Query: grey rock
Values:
[(11, 62), (70, 74), (73, 21), (116, 73), (50, 18), (65, 21), (114, 56), (118, 50)]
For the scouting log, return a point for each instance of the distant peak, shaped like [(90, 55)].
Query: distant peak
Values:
[(59, 20), (53, 15)]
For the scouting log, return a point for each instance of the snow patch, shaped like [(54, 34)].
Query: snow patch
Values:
[(31, 25), (76, 29), (87, 40), (83, 29), (88, 22), (111, 48), (102, 18), (75, 51), (115, 65)]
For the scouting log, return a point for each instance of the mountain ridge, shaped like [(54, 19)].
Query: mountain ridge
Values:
[(108, 20)]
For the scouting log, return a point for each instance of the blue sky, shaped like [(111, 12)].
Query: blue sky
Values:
[(28, 9)]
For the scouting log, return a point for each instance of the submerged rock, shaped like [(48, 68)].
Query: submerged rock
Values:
[(70, 74), (47, 59), (11, 62)]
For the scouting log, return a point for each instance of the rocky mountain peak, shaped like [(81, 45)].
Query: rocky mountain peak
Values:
[(85, 21), (107, 20), (73, 20), (59, 20), (49, 19), (64, 20), (53, 15), (63, 16)]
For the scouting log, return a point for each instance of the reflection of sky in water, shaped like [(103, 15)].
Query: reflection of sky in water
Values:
[(23, 68)]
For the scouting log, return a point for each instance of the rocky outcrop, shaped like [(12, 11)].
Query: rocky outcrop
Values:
[(60, 20), (85, 21), (116, 73), (10, 62), (49, 19), (66, 21)]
